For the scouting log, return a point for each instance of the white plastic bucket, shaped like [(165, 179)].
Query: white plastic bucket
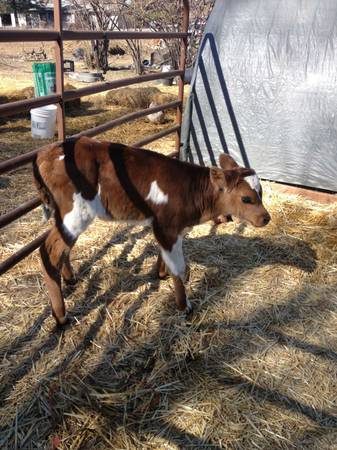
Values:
[(166, 67), (43, 121)]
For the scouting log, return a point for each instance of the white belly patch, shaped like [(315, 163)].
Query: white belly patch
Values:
[(174, 259), (83, 213)]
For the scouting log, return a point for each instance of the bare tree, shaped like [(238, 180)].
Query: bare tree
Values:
[(107, 15), (163, 15), (135, 15), (157, 15), (132, 22), (200, 11), (96, 15)]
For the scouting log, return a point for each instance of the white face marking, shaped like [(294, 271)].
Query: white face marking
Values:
[(156, 195), (61, 157), (175, 258), (83, 213), (254, 183)]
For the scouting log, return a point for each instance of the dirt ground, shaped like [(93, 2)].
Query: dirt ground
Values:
[(254, 367), (16, 72)]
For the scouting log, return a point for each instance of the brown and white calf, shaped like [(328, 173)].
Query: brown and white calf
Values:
[(84, 179)]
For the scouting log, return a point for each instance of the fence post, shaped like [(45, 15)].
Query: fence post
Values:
[(182, 65), (59, 69)]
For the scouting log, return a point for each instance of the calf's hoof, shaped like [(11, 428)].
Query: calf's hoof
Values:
[(159, 273), (70, 281), (62, 322), (189, 308), (162, 275)]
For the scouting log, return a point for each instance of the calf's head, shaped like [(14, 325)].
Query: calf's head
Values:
[(238, 192)]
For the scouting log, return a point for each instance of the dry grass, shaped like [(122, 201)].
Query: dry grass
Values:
[(16, 73), (254, 368)]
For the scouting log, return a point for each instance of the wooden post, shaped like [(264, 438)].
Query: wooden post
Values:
[(59, 69)]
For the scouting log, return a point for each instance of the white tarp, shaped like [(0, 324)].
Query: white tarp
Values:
[(265, 88)]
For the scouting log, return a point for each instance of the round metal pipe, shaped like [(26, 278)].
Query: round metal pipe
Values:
[(182, 66)]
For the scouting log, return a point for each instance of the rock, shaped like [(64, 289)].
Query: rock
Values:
[(158, 117), (78, 54)]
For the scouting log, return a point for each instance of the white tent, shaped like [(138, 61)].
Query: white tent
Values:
[(264, 88)]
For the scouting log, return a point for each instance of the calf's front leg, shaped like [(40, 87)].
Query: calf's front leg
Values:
[(182, 301), (173, 257)]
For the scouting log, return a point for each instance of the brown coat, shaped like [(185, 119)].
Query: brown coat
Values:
[(84, 179)]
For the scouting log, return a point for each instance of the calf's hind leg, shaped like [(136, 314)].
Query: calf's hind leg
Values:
[(54, 251), (67, 271), (161, 268)]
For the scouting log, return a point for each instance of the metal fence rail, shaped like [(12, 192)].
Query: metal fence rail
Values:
[(67, 35), (58, 35)]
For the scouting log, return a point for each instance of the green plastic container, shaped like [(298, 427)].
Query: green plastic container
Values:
[(44, 79)]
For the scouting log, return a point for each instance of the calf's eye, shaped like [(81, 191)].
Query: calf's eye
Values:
[(246, 200)]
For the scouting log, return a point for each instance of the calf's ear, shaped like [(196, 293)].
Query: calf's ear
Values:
[(227, 162), (246, 172), (234, 176), (217, 177)]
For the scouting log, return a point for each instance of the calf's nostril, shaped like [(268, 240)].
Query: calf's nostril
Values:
[(266, 220)]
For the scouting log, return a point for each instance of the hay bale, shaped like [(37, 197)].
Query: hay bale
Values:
[(14, 96), (71, 105), (132, 97), (9, 97), (163, 97), (27, 92), (98, 100)]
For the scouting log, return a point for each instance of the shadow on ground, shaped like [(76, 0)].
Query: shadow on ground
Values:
[(131, 372)]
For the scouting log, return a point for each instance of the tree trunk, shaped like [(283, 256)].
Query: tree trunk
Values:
[(139, 68), (100, 52), (136, 53)]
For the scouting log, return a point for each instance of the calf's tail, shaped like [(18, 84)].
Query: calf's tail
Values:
[(43, 191)]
